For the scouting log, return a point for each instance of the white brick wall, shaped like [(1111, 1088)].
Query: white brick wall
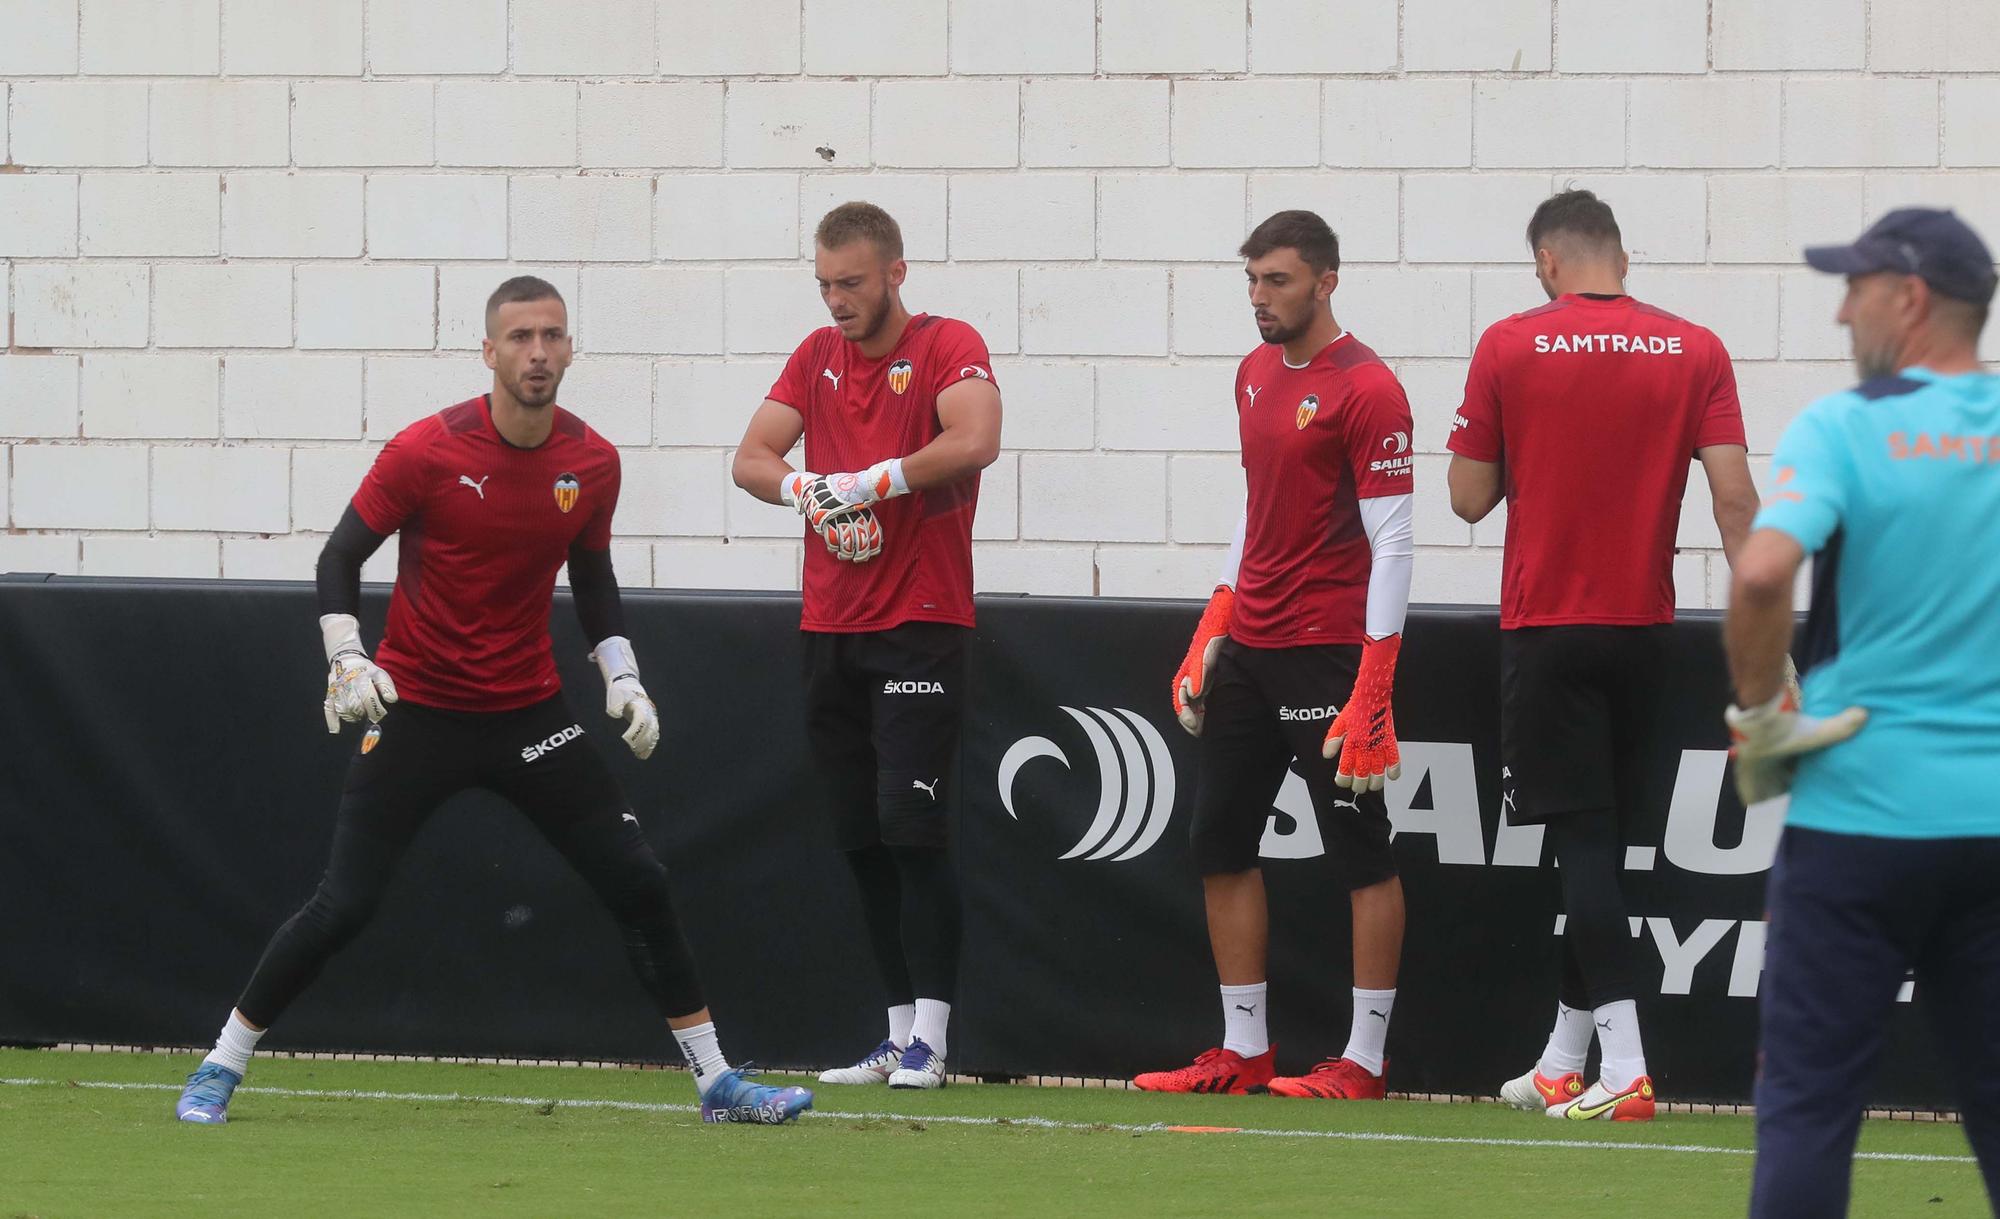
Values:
[(245, 241)]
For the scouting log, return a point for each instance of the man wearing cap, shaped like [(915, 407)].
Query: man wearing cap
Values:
[(1890, 860)]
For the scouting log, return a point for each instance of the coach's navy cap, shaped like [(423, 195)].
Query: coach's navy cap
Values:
[(1923, 241)]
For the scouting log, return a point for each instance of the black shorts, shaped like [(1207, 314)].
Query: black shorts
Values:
[(1265, 707), (1577, 707), (882, 718)]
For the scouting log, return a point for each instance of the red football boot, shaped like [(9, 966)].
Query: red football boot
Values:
[(1335, 1079), (1216, 1070)]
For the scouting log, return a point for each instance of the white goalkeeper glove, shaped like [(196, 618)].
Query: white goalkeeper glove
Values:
[(1770, 738), (624, 697), (356, 687), (850, 530), (883, 480)]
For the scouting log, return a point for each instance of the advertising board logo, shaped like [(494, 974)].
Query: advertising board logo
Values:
[(1135, 781)]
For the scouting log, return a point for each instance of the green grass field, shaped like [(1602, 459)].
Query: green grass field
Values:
[(93, 1136)]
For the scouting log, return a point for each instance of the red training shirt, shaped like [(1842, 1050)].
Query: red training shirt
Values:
[(1317, 441), (1594, 406), (485, 526), (860, 411)]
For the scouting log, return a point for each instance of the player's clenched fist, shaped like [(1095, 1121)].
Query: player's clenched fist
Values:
[(356, 687), (848, 527), (1191, 682), (624, 698), (1363, 735)]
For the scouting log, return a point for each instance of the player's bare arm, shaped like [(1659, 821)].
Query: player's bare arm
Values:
[(1732, 493), (969, 413), (761, 459), (1477, 487)]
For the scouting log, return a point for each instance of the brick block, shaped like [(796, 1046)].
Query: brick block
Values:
[(1740, 306), (587, 219), (1663, 217), (1447, 576), (464, 287), (1722, 122), (438, 38), (1094, 122), (235, 490), (150, 215), (1407, 312), (78, 122), (671, 493), (41, 37), (169, 38), (80, 305), (286, 38), (1119, 311), (1208, 495), (1691, 580), (781, 124), (987, 298), (293, 557), (324, 482), (1365, 210), (1311, 37), (402, 390), (152, 394), (432, 216), (367, 307), (655, 124), (750, 517), (747, 38), (1023, 37), (291, 215), (1806, 326), (188, 556), (874, 38), (1498, 36), (1212, 315), (1246, 122), (1697, 528), (1202, 36), (38, 395), (98, 486), (1435, 388), (1432, 521), (38, 552), (603, 38), (956, 123), (738, 215), (770, 310), (1772, 217), (917, 201), (1179, 217), (1934, 36), (650, 309), (351, 122), (1530, 123), (1773, 394), (1627, 39), (1974, 196), (631, 565), (709, 403), (1788, 35), (41, 212), (1094, 497), (221, 122), (241, 305), (727, 565), (1043, 571), (1470, 217), (998, 515), (1972, 121), (1397, 123), (613, 396), (1865, 123), (506, 123), (1158, 571), (1167, 407), (282, 397), (1046, 405), (1502, 293), (1023, 216)]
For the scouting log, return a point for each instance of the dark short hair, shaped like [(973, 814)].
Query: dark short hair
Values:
[(1305, 232), (1576, 213), (858, 220), (518, 289)]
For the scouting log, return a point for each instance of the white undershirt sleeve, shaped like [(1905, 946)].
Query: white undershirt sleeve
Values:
[(1234, 561), (1392, 539)]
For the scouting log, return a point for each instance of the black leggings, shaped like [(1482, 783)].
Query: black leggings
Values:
[(536, 757), (1600, 965)]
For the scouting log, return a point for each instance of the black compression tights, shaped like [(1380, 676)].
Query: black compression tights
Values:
[(1599, 962)]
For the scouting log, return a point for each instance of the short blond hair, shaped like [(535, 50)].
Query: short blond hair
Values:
[(858, 220)]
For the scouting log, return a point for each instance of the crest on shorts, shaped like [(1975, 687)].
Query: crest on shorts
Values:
[(1307, 409), (899, 375), (371, 738), (568, 490)]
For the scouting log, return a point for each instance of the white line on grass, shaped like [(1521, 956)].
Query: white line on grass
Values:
[(1039, 1123)]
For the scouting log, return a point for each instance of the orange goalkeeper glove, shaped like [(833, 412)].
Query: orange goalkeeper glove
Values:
[(1363, 735), (1191, 682)]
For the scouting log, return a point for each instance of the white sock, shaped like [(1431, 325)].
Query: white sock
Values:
[(929, 1025), (1618, 1038), (901, 1018), (1369, 1031), (1243, 1028), (703, 1051), (1569, 1042), (234, 1045)]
